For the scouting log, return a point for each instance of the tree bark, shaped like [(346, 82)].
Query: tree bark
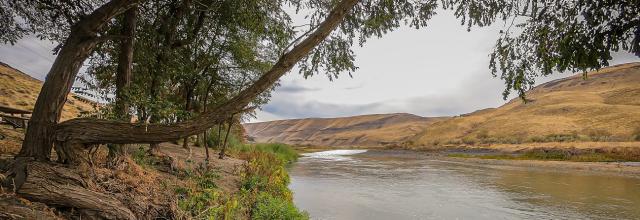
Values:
[(60, 186), (226, 137), (125, 62), (82, 39), (103, 131), (205, 138), (123, 80), (219, 140), (189, 87)]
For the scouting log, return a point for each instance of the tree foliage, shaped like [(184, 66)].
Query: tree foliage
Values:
[(558, 36)]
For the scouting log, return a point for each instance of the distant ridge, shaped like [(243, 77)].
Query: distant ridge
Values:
[(362, 130), (604, 107)]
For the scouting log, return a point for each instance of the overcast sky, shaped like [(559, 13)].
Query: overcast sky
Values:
[(441, 70)]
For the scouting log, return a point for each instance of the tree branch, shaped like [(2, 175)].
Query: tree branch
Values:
[(102, 131)]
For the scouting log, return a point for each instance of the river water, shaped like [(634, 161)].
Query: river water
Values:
[(360, 184)]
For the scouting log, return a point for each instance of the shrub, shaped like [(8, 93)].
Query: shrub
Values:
[(454, 142), (482, 134), (284, 152), (265, 184), (468, 140), (546, 155), (599, 135), (268, 207), (204, 200), (232, 141), (636, 134), (141, 158), (555, 138), (264, 192)]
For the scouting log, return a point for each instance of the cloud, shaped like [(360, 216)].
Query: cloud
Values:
[(286, 108), (293, 88), (361, 85), (29, 55)]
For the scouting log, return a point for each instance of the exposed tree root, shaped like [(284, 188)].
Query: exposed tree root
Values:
[(12, 207), (59, 186)]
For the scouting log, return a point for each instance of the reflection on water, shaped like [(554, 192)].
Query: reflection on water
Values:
[(406, 185)]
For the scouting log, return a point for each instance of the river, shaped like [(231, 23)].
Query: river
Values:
[(360, 184)]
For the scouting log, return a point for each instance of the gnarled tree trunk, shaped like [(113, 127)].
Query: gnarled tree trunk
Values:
[(59, 186), (80, 43), (123, 79)]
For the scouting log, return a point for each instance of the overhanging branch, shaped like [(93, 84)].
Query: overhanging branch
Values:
[(102, 131)]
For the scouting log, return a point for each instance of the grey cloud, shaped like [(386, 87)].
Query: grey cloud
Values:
[(288, 108), (354, 87), (479, 91), (29, 55), (292, 88)]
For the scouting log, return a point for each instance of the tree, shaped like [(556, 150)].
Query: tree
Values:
[(372, 18), (123, 78), (78, 45)]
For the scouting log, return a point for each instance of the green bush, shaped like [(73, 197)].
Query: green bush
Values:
[(204, 200), (141, 158), (265, 183), (468, 140), (546, 155), (264, 192), (284, 152), (232, 141), (268, 207)]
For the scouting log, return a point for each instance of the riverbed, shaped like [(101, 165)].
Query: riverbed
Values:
[(377, 184)]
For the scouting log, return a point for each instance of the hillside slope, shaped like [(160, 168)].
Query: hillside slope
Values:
[(364, 130), (603, 107), (19, 90)]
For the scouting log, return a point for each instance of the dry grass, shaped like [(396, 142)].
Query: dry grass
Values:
[(364, 130), (19, 90), (603, 108)]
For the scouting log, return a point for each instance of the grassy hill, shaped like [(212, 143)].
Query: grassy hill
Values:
[(605, 107), (19, 90), (364, 130)]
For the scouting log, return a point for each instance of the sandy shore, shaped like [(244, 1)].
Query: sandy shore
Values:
[(630, 169)]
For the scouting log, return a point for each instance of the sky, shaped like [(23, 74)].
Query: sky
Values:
[(441, 70)]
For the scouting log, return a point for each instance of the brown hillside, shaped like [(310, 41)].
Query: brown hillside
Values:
[(19, 90), (364, 130), (603, 107)]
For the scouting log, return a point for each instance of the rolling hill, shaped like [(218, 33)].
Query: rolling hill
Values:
[(604, 107), (364, 130), (19, 90)]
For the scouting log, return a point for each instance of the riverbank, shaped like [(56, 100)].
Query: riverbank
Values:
[(251, 182), (631, 169)]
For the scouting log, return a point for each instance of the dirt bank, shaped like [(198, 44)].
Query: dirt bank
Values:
[(613, 168), (143, 187)]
